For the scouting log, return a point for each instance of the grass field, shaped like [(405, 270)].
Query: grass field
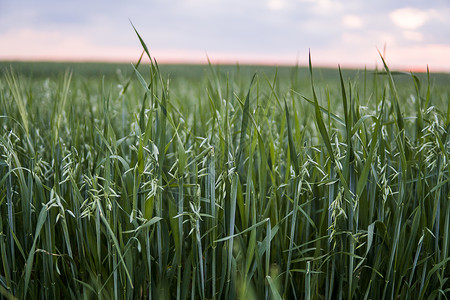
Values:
[(223, 182)]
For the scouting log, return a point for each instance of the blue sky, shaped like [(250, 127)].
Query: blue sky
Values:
[(413, 33)]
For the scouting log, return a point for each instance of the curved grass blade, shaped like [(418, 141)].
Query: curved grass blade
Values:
[(29, 264), (244, 123)]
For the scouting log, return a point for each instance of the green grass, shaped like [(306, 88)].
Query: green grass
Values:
[(236, 182)]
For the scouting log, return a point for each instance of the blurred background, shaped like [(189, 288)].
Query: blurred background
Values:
[(412, 34)]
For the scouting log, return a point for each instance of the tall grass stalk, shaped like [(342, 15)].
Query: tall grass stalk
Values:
[(229, 186)]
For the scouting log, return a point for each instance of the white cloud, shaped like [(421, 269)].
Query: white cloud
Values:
[(321, 7), (413, 35), (353, 39), (55, 45), (418, 57), (252, 30), (410, 18), (352, 21), (327, 6), (276, 4)]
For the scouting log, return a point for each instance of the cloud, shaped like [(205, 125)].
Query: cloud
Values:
[(56, 45), (419, 57), (276, 4), (413, 35), (274, 30), (321, 7), (410, 18), (352, 21)]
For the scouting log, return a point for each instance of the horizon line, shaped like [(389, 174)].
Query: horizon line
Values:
[(227, 61)]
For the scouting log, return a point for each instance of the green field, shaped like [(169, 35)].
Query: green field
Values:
[(223, 182)]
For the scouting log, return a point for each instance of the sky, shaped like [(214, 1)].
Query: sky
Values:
[(411, 34)]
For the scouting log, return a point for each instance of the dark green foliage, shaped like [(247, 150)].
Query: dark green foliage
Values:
[(148, 183)]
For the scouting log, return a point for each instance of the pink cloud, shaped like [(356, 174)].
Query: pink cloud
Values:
[(29, 44)]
